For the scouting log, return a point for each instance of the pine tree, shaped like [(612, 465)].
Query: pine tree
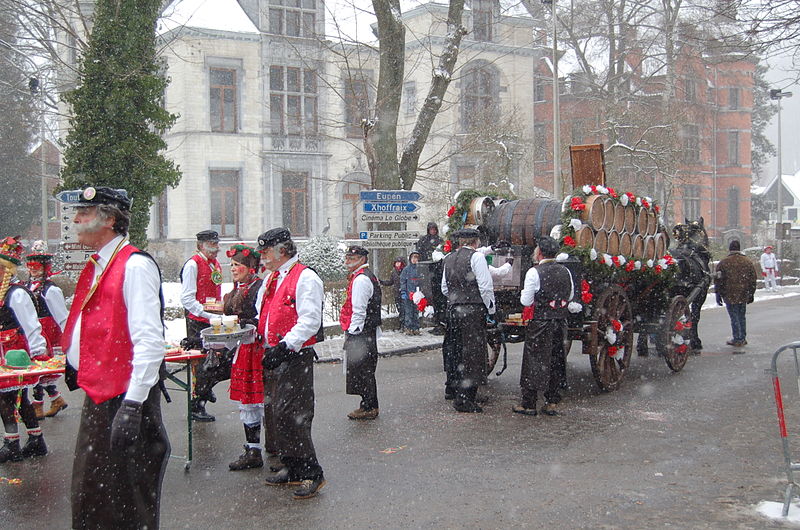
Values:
[(322, 253), (117, 118), (21, 184)]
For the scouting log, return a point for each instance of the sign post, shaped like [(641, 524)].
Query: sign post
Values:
[(75, 254), (392, 207)]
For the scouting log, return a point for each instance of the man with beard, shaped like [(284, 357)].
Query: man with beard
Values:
[(19, 330), (360, 319), (201, 278), (470, 298), (114, 341), (290, 322), (548, 288)]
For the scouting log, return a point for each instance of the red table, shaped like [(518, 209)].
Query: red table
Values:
[(14, 379)]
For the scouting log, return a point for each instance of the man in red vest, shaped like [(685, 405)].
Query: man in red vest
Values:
[(201, 297), (114, 341), (19, 330), (290, 322), (360, 319)]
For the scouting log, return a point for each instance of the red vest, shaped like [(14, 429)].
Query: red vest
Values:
[(105, 342), (346, 314), (205, 287), (279, 308), (11, 335)]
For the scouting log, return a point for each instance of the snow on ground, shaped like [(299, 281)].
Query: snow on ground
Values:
[(774, 510), (762, 295)]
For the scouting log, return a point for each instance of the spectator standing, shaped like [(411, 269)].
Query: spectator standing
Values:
[(769, 269), (394, 282), (735, 285), (409, 283), (426, 245)]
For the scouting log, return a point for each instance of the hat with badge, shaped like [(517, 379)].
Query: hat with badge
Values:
[(355, 250), (466, 233), (39, 252), (11, 251), (207, 235), (92, 196), (270, 238)]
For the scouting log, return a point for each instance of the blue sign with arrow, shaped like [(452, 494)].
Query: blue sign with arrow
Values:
[(390, 195), (389, 207)]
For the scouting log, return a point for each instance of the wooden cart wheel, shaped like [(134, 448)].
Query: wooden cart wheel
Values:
[(612, 306), (674, 339)]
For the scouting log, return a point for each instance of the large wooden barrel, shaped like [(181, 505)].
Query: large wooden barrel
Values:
[(637, 244), (598, 213), (523, 221), (662, 244), (601, 241), (641, 221), (625, 244), (649, 248), (652, 222), (613, 242), (630, 219), (584, 236), (479, 210), (619, 216)]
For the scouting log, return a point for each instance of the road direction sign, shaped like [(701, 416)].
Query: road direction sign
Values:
[(389, 217), (389, 207), (388, 235), (75, 253), (380, 243), (390, 195)]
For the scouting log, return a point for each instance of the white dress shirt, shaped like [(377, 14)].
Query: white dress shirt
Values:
[(21, 304), (54, 298), (477, 263), (140, 290), (360, 295), (532, 285), (189, 289), (308, 304), (768, 261)]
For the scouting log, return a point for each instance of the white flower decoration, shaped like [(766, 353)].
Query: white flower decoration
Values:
[(575, 224), (555, 232), (637, 264), (621, 259), (611, 335), (677, 340), (417, 296), (607, 260), (619, 355), (562, 256), (574, 307), (428, 311), (649, 200), (602, 189), (593, 254), (662, 262), (624, 200), (586, 189), (565, 202), (437, 255), (649, 264), (638, 201)]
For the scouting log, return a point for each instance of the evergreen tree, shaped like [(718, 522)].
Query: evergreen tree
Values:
[(322, 253), (117, 118), (18, 172)]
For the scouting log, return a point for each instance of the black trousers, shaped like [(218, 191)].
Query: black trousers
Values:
[(362, 360), (467, 347), (213, 370), (8, 402), (118, 490), (543, 362)]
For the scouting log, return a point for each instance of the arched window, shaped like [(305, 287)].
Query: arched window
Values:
[(480, 95), (352, 184)]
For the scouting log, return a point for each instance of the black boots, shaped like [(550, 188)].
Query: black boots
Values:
[(35, 446), (465, 400), (10, 452), (250, 459), (199, 412)]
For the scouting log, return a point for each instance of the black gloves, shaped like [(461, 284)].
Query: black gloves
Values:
[(275, 356), (125, 428), (510, 261)]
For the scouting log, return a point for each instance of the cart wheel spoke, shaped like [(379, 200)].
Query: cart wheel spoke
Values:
[(612, 304)]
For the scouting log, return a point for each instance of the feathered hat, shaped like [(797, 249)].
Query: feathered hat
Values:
[(39, 252), (11, 251)]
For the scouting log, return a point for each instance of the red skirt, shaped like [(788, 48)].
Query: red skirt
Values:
[(247, 382)]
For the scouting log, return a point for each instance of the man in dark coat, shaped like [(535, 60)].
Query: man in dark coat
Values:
[(290, 322), (360, 319), (735, 284), (548, 288), (428, 243), (394, 282), (425, 246), (114, 343), (468, 286)]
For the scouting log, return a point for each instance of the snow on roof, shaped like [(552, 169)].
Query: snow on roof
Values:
[(220, 15), (792, 183)]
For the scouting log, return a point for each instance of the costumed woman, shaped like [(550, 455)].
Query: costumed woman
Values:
[(52, 311), (19, 330), (247, 384)]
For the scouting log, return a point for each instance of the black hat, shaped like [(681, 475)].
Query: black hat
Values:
[(208, 235), (270, 238), (355, 250), (734, 245), (466, 233), (95, 196)]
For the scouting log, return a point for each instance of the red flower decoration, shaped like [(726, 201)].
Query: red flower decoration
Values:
[(577, 204), (630, 266), (669, 259), (568, 241), (645, 204), (682, 348), (594, 189), (422, 304), (616, 325), (679, 326), (658, 269), (585, 286), (246, 252), (451, 211), (687, 325), (612, 192), (586, 297), (230, 253), (612, 351), (631, 196), (448, 246), (615, 260), (656, 208)]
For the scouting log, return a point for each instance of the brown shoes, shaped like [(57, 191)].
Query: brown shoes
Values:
[(520, 409), (309, 488), (38, 409), (56, 406), (361, 414), (250, 459), (550, 409)]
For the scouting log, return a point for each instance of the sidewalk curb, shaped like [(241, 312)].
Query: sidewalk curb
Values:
[(390, 353)]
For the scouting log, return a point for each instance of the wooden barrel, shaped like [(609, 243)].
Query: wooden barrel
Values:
[(479, 210), (584, 236), (630, 219), (613, 242), (637, 244), (652, 222), (619, 216), (596, 213), (625, 244), (641, 221), (662, 244), (523, 221), (649, 248), (601, 241)]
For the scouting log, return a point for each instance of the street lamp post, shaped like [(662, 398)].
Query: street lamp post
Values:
[(556, 117), (778, 95), (36, 89)]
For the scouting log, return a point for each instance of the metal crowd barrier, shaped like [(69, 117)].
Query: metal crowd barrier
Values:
[(792, 489)]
